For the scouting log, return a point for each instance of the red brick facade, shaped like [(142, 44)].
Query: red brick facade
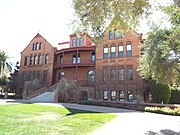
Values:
[(106, 72), (36, 63)]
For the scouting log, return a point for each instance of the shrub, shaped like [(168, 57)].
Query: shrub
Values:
[(175, 96), (160, 93), (163, 110)]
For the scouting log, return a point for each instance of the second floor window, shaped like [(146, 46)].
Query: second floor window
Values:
[(46, 58), (78, 59), (128, 49), (39, 59), (93, 57), (74, 59), (105, 52), (113, 74), (81, 42), (33, 47), (40, 45), (121, 51), (35, 59), (61, 59), (25, 61), (113, 52), (130, 73), (121, 73)]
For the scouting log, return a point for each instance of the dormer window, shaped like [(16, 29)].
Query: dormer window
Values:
[(110, 34), (77, 41), (81, 42), (116, 33)]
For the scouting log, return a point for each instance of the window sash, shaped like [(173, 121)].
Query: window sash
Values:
[(105, 94), (121, 74), (130, 74), (129, 47)]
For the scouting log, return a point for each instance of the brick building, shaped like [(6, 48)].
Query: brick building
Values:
[(106, 72), (36, 63), (77, 62), (116, 67)]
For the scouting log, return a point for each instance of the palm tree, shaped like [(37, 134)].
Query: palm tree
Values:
[(4, 62)]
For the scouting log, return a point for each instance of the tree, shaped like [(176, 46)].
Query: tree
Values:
[(4, 62), (96, 15), (161, 58)]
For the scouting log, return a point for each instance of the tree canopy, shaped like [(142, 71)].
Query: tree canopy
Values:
[(161, 58), (4, 62), (96, 15)]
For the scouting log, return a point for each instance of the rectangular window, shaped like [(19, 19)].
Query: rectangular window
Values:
[(34, 75), (105, 74), (46, 58), (105, 95), (113, 74), (61, 59), (129, 50), (113, 95), (23, 76), (121, 73), (121, 51), (105, 52), (78, 59), (113, 52), (74, 59), (30, 75), (39, 60), (31, 60), (130, 73), (38, 75), (25, 61)]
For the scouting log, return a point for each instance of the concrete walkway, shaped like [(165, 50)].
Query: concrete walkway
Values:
[(128, 122)]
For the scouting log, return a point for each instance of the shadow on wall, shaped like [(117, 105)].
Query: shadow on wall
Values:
[(163, 132)]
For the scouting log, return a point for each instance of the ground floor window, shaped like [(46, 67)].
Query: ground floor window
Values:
[(130, 96), (113, 95), (105, 95), (121, 96)]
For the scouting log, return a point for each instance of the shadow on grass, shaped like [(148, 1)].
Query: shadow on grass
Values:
[(163, 132), (76, 111)]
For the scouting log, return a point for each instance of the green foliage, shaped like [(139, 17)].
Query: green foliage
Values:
[(160, 93), (33, 119), (175, 96), (4, 62), (164, 110), (96, 15)]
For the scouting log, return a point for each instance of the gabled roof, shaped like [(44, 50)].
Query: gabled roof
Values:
[(37, 36)]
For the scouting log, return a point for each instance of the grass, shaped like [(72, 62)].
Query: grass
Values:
[(34, 119)]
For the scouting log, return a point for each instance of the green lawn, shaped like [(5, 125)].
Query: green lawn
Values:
[(33, 119)]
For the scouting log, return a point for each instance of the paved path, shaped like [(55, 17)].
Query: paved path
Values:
[(129, 122)]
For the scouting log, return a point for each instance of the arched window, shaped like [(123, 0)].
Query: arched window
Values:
[(40, 44), (128, 49), (73, 42), (77, 41), (31, 60), (91, 76), (130, 96), (37, 46), (34, 60), (105, 52), (61, 75), (116, 33), (80, 40), (110, 34), (121, 50), (33, 47), (39, 59), (113, 51), (121, 96)]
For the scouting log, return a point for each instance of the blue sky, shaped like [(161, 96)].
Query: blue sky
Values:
[(21, 20)]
